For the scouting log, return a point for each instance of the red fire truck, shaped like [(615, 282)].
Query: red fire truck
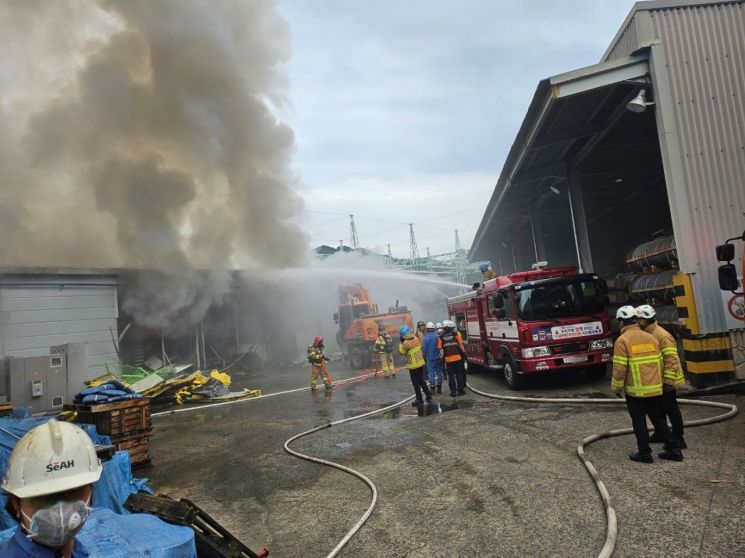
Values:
[(535, 321)]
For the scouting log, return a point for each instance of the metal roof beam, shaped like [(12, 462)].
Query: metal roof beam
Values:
[(527, 175), (600, 75)]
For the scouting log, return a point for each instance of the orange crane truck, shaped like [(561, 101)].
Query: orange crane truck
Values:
[(359, 320)]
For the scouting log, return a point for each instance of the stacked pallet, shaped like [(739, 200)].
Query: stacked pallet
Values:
[(128, 423)]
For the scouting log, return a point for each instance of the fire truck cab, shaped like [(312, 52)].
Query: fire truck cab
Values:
[(536, 321)]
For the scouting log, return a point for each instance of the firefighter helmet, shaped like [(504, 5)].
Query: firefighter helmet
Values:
[(626, 313), (430, 325), (404, 330), (483, 267), (318, 340), (646, 311), (438, 325)]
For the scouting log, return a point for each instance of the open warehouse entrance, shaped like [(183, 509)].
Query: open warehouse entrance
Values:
[(633, 169)]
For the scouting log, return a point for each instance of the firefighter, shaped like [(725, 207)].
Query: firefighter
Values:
[(411, 348), (672, 374), (452, 352), (486, 273), (49, 483), (421, 330), (318, 364), (637, 370), (432, 358), (384, 350)]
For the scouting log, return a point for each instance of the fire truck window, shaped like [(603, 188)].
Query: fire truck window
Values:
[(460, 322), (492, 303), (547, 302), (508, 307)]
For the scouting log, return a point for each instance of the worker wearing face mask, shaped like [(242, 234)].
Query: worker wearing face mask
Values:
[(50, 481)]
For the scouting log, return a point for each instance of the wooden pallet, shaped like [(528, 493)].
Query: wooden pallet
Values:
[(137, 444), (113, 419)]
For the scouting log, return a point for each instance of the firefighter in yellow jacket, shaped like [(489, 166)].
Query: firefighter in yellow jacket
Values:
[(318, 364), (384, 350), (672, 374), (411, 348), (637, 370)]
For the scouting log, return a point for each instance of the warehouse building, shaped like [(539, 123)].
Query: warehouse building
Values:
[(634, 168)]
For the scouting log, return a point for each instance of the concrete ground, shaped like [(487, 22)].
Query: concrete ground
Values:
[(474, 477)]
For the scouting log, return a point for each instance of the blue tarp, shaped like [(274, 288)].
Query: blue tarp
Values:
[(106, 393), (113, 488), (109, 535)]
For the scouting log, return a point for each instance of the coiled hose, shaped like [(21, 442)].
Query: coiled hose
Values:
[(611, 531), (357, 526)]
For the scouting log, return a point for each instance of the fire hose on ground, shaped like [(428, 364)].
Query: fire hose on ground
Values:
[(611, 519), (374, 491), (611, 532)]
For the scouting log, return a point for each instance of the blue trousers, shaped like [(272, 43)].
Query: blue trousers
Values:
[(434, 369)]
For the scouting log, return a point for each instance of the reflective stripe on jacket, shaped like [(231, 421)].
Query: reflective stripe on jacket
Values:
[(672, 372), (315, 355), (411, 348), (450, 343), (637, 363), (380, 346)]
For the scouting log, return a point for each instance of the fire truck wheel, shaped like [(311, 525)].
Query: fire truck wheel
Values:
[(597, 372), (513, 378), (356, 358)]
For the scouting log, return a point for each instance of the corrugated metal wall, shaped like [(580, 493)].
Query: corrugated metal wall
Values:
[(705, 49), (626, 44), (37, 312)]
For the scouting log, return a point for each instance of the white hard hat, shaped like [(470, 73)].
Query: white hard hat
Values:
[(626, 313), (646, 311), (53, 457), (438, 325), (448, 323), (430, 325)]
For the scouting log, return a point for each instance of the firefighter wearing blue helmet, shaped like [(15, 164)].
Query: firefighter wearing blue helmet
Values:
[(411, 348)]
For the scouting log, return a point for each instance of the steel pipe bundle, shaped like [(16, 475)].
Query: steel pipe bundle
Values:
[(658, 286), (660, 253)]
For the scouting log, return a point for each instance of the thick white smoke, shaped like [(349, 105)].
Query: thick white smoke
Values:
[(139, 135)]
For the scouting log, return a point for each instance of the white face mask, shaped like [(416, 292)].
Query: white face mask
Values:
[(58, 524)]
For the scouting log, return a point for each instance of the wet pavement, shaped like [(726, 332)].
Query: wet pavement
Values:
[(464, 476)]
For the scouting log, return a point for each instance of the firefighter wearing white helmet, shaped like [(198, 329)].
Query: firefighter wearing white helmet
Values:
[(49, 479), (637, 371), (672, 373)]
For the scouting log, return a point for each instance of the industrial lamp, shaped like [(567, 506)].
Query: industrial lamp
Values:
[(639, 103)]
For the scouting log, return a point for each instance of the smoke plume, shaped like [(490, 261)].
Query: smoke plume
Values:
[(139, 135)]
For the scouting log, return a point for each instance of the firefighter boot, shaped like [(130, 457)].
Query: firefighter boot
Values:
[(439, 388), (641, 457), (432, 388)]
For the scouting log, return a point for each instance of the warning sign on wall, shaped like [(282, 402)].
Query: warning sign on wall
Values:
[(734, 308)]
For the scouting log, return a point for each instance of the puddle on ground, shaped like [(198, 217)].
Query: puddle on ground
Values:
[(423, 410)]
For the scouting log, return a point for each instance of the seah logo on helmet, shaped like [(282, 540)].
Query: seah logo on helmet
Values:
[(60, 465)]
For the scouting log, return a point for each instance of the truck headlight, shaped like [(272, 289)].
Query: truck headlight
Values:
[(536, 352), (599, 344)]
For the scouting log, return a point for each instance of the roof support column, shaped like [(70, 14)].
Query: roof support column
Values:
[(579, 223), (540, 248)]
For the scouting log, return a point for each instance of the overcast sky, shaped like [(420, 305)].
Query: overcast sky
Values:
[(404, 111)]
